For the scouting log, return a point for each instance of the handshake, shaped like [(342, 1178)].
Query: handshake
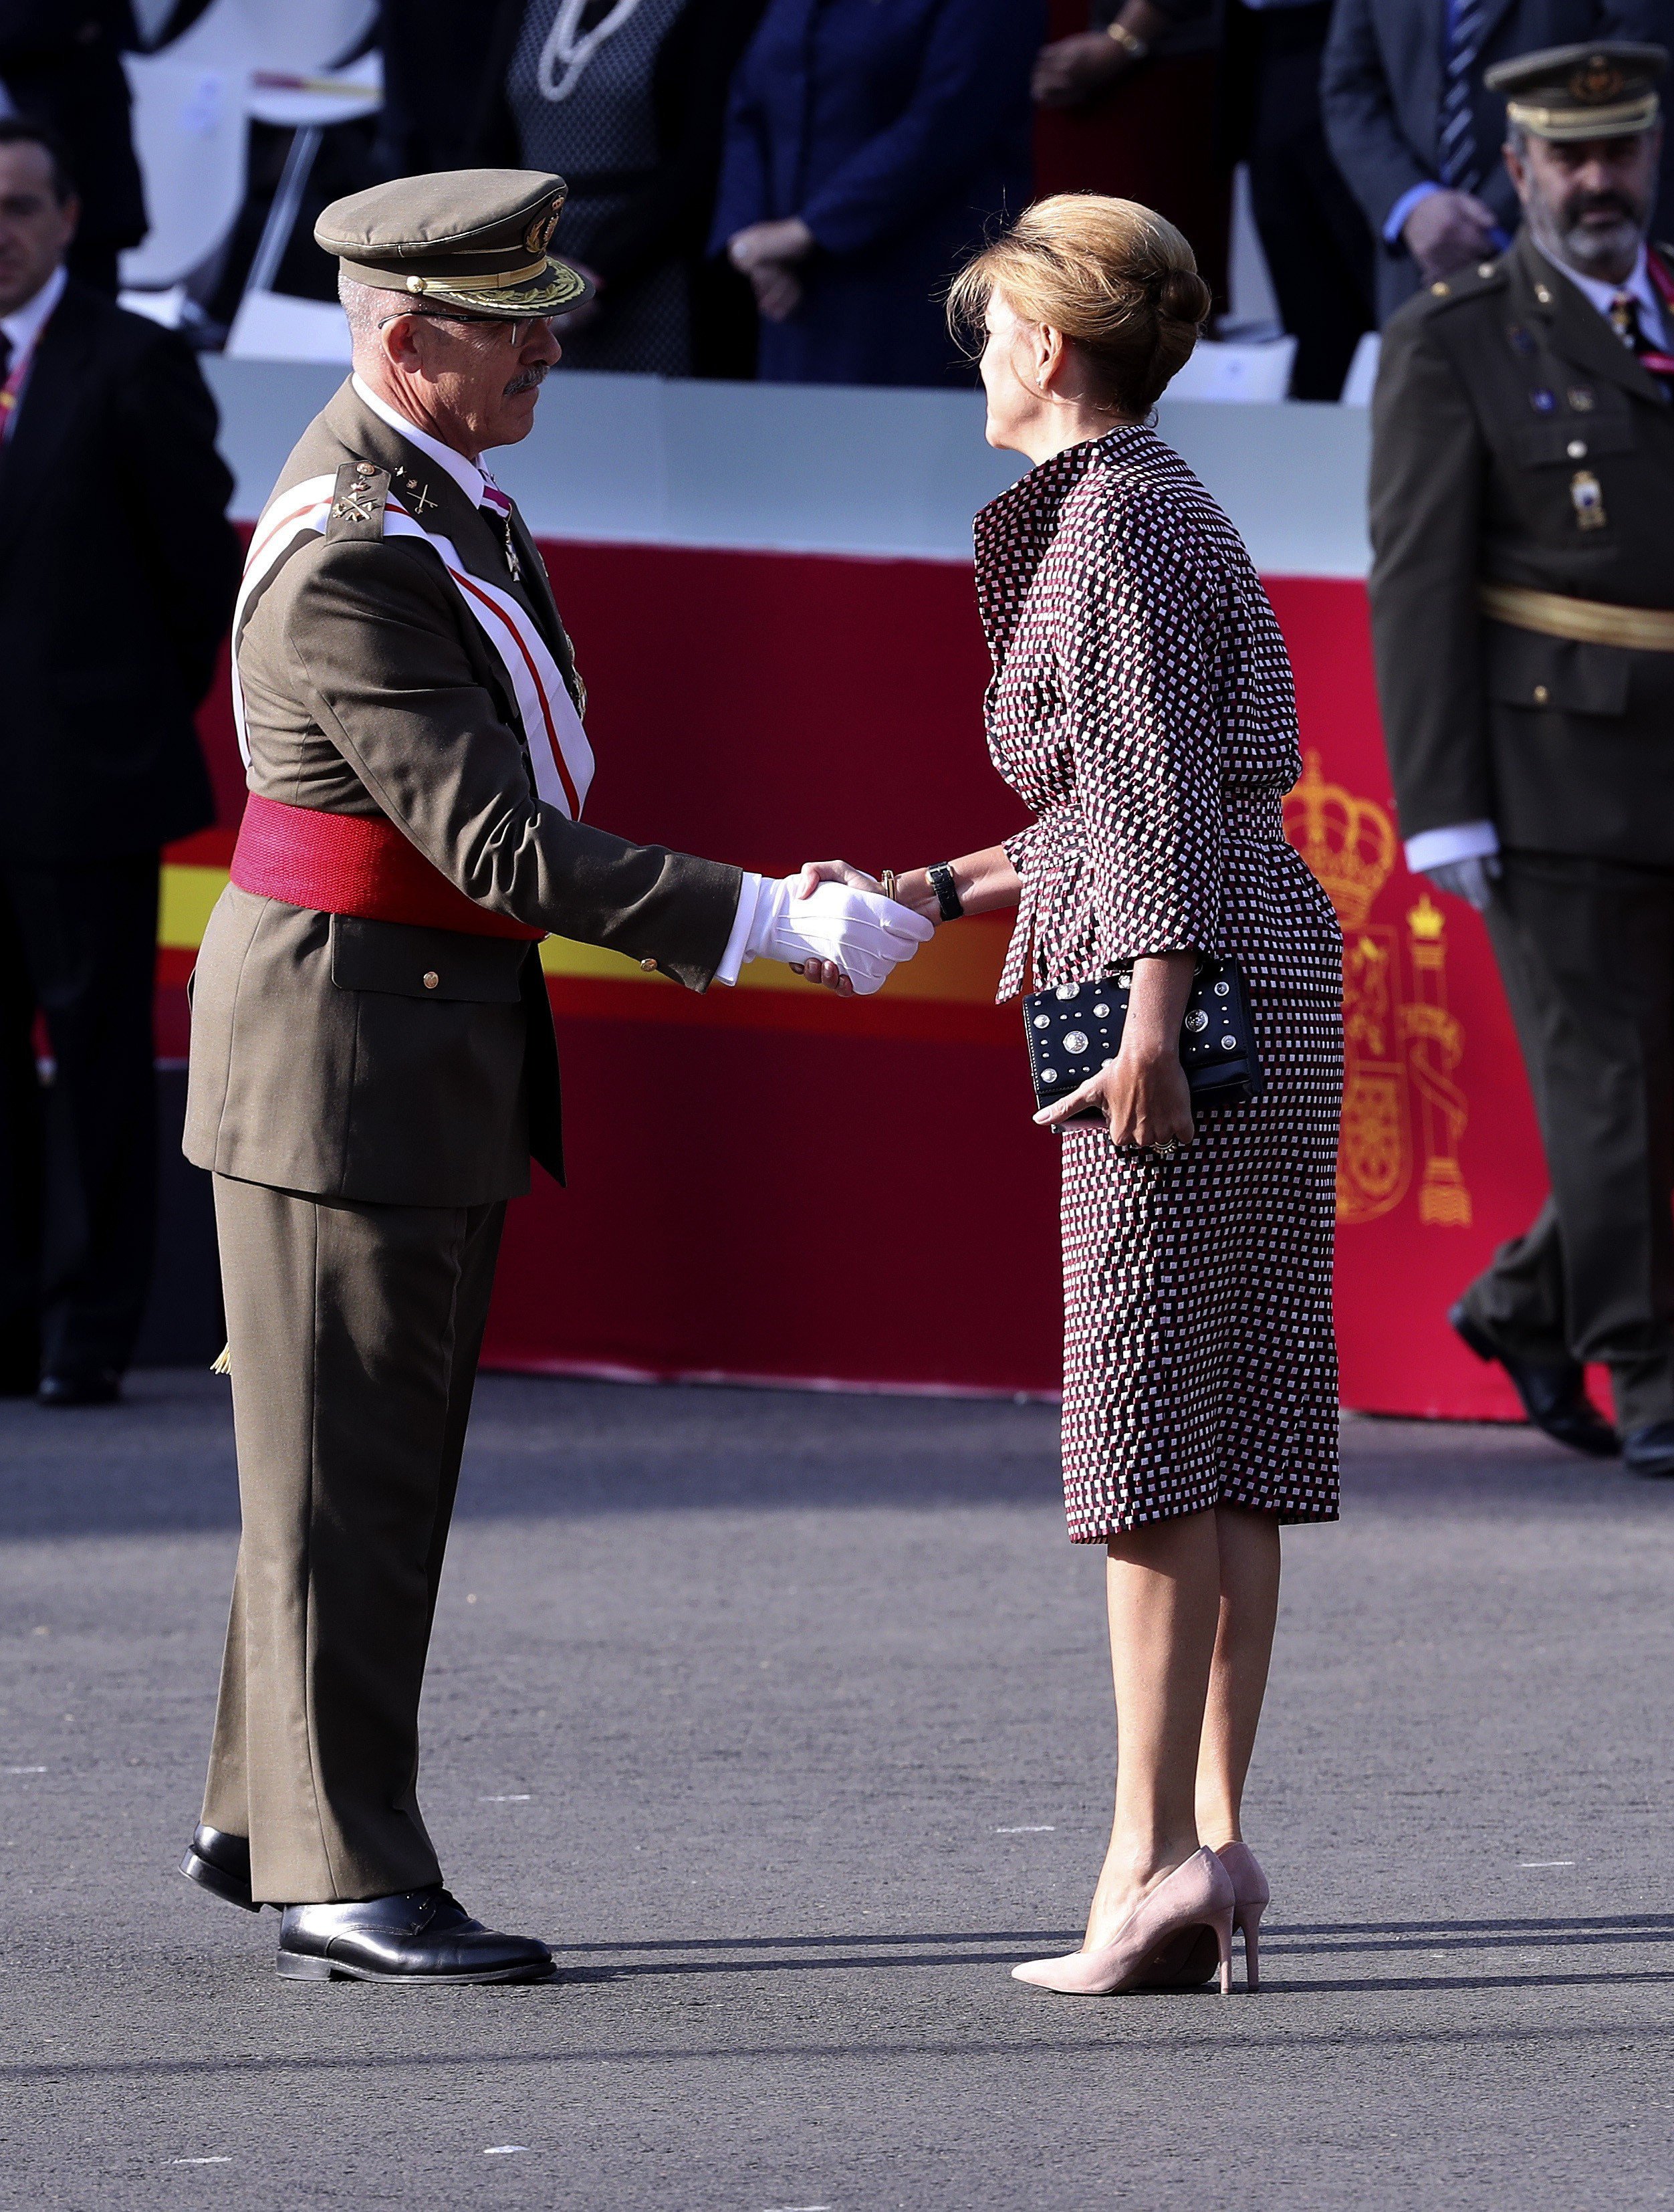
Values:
[(833, 924)]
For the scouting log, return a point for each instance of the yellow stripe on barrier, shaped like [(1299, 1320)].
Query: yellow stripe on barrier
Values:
[(958, 966)]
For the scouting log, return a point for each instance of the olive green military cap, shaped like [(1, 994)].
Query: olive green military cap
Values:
[(473, 239), (1608, 90)]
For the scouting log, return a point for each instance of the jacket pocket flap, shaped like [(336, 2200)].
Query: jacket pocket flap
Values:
[(425, 963), (1576, 439), (1526, 669)]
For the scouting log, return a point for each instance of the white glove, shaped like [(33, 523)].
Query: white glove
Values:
[(866, 933), (1473, 880)]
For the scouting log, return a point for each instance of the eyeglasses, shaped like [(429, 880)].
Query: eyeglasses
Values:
[(519, 330)]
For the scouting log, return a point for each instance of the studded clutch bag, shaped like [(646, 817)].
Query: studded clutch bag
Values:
[(1073, 1029)]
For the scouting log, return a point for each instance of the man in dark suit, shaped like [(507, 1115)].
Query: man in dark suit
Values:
[(61, 65), (1522, 595), (1417, 131), (117, 569)]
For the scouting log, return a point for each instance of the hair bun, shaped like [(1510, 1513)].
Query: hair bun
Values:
[(1182, 296)]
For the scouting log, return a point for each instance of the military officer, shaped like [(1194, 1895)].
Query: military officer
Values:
[(1523, 615), (372, 1062)]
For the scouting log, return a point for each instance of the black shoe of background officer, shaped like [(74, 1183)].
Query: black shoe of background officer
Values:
[(418, 1936), (1650, 1451), (81, 1386), (1554, 1394)]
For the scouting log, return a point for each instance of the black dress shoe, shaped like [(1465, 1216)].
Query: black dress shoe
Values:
[(1554, 1393), (81, 1386), (417, 1935), (20, 1365), (219, 1863), (1650, 1451)]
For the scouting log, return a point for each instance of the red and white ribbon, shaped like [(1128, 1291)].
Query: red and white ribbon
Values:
[(558, 747)]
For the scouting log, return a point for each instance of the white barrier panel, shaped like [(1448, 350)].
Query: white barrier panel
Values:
[(811, 468)]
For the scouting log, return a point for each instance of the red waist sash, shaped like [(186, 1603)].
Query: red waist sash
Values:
[(357, 864)]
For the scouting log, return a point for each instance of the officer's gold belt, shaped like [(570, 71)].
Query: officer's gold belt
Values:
[(1588, 622)]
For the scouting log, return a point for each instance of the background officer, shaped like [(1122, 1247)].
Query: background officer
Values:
[(1523, 616)]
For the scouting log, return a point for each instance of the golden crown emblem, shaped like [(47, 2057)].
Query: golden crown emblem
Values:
[(1348, 842)]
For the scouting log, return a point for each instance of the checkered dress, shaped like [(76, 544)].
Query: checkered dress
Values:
[(1142, 704)]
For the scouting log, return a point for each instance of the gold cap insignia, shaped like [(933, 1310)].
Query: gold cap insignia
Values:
[(538, 235), (1597, 83)]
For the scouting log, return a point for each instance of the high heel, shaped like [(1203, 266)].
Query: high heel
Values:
[(1197, 1895), (1251, 1897)]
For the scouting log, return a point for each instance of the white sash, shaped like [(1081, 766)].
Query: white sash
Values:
[(558, 746)]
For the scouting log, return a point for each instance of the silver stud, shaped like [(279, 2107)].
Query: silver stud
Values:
[(1075, 1041), (1100, 1013), (1229, 1044), (1195, 1020), (1043, 1021), (1221, 990), (1067, 990), (1049, 1075)]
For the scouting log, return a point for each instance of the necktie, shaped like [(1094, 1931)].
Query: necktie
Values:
[(497, 514), (1457, 140), (1626, 321)]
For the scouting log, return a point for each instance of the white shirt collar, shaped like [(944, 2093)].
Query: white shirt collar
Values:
[(469, 478), (1639, 283), (25, 323)]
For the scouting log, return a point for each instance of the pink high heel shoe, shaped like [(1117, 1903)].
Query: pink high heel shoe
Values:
[(1251, 1897), (1145, 1950)]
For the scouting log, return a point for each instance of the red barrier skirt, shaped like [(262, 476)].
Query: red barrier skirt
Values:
[(772, 1184)]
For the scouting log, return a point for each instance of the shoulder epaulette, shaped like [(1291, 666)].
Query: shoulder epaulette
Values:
[(357, 502), (1473, 281)]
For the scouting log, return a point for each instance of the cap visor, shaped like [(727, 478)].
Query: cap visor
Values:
[(561, 288)]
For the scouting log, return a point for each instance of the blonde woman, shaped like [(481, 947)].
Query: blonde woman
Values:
[(1142, 704)]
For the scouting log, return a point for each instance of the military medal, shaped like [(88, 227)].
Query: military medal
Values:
[(1544, 402), (1580, 398), (1587, 496)]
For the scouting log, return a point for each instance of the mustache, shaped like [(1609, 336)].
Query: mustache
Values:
[(528, 380), (1584, 203)]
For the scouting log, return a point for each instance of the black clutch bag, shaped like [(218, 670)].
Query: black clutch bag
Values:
[(1073, 1029)]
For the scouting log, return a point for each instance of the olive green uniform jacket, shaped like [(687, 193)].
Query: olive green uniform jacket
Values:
[(1515, 438), (321, 1062)]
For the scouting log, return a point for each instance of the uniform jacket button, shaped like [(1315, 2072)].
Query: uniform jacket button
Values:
[(649, 964), (1541, 695), (431, 979)]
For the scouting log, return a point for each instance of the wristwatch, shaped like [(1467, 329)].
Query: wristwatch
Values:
[(946, 890)]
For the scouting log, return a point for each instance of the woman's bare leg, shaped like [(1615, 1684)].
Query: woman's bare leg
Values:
[(1249, 1549), (1164, 1588)]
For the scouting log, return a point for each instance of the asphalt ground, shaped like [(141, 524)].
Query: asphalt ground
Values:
[(785, 1719)]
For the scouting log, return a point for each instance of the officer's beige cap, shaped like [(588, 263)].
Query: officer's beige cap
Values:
[(1604, 91), (473, 239)]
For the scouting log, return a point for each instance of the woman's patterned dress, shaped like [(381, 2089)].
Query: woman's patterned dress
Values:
[(1141, 705)]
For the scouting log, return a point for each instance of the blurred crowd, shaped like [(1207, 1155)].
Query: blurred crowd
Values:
[(778, 188)]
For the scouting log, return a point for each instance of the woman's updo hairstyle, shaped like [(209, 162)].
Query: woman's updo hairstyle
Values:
[(1116, 278)]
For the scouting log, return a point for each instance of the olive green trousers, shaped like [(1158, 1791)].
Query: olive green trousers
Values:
[(353, 1332)]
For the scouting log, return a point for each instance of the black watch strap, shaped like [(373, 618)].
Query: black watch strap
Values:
[(946, 890)]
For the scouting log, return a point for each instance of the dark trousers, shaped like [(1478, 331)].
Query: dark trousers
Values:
[(1585, 950), (1317, 241), (78, 1163), (353, 1332)]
